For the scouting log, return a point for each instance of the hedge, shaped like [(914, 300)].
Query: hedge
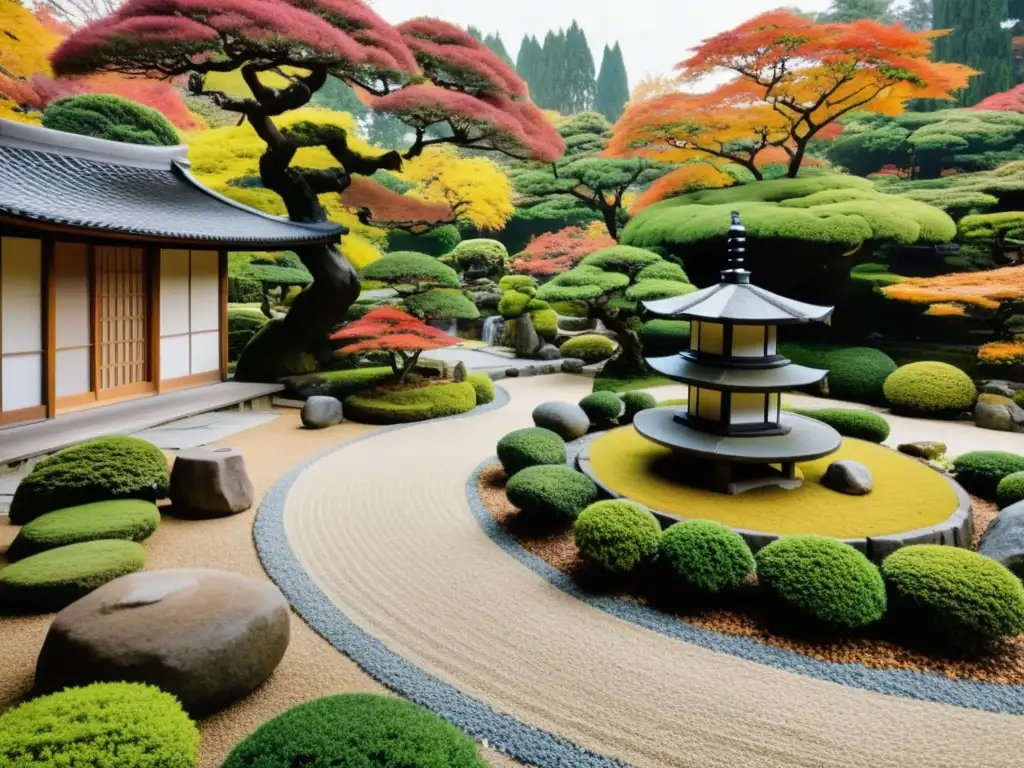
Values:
[(530, 447), (53, 579), (483, 386), (1010, 490), (863, 425), (589, 347), (110, 117), (244, 290), (823, 579), (705, 555), (356, 729), (128, 519), (960, 596), (100, 725), (616, 535), (635, 402), (980, 472), (107, 468), (856, 374), (551, 492), (661, 338), (402, 406), (929, 389)]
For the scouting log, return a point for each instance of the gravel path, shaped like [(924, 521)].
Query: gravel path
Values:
[(404, 559)]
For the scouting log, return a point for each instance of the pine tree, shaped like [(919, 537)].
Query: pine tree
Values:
[(475, 33), (549, 91), (495, 43), (612, 84), (579, 72), (916, 14), (979, 41), (527, 62), (843, 11)]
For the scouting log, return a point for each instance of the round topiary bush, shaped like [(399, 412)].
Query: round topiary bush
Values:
[(1010, 490), (635, 402), (356, 729), (517, 282), (128, 519), (105, 724), (530, 447), (483, 386), (980, 472), (57, 577), (824, 579), (480, 254), (552, 492), (616, 535), (863, 425), (857, 374), (961, 596), (110, 117), (706, 555), (929, 389), (589, 347), (602, 407), (98, 470), (402, 406)]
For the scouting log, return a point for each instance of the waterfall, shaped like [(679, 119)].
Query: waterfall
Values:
[(491, 331)]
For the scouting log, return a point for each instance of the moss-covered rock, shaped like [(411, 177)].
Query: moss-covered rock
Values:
[(589, 347), (128, 519), (483, 386), (401, 406), (863, 425)]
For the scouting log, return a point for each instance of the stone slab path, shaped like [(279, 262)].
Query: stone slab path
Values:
[(384, 529)]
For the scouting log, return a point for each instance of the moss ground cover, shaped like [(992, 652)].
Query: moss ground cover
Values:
[(128, 519), (400, 406)]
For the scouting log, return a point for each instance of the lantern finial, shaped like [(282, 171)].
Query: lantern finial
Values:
[(736, 245)]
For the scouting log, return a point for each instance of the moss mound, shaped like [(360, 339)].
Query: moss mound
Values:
[(551, 492), (635, 402), (105, 724), (483, 386), (929, 389), (589, 347), (98, 470), (705, 555), (854, 373), (602, 407), (960, 596), (356, 729), (1010, 490), (110, 117), (863, 425), (530, 447), (823, 579), (980, 472), (400, 406), (616, 535), (128, 519)]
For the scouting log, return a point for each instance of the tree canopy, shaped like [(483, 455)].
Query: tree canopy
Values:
[(555, 252), (612, 84), (429, 289), (979, 40), (104, 116)]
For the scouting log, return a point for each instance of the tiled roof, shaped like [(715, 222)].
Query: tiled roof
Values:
[(106, 187)]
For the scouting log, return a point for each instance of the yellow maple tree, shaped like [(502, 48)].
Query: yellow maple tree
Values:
[(24, 51)]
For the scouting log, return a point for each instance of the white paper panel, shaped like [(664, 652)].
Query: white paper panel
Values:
[(205, 352), (709, 404), (205, 301), (773, 335), (71, 278), (747, 408), (748, 341), (21, 284), (174, 357), (22, 381), (712, 338), (73, 371), (174, 302)]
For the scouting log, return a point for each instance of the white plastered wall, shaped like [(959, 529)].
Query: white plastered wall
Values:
[(21, 324), (189, 313), (73, 315)]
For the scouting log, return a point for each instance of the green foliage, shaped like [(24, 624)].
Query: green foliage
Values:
[(516, 282), (979, 40), (616, 535), (273, 353), (129, 519), (705, 555), (621, 258), (439, 241), (863, 425), (663, 270), (1010, 489), (483, 386), (545, 322), (965, 193), (407, 268), (113, 467), (854, 373), (929, 389), (341, 384), (980, 472), (105, 116), (953, 594), (105, 724), (530, 447), (606, 382), (441, 304), (402, 406), (992, 225), (244, 290), (481, 253), (651, 290), (55, 578), (823, 579), (356, 729), (602, 407), (635, 402), (242, 326), (612, 84), (551, 492), (589, 347), (274, 274), (512, 304), (571, 308), (661, 338)]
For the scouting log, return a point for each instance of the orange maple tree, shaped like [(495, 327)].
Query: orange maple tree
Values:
[(793, 78)]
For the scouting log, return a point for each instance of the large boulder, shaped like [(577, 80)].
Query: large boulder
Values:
[(567, 420), (998, 413), (998, 387), (210, 482), (207, 637), (1003, 540), (850, 477), (925, 449), (549, 352), (572, 365), (528, 341), (320, 412)]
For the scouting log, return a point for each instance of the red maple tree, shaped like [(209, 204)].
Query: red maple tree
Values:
[(1007, 101), (400, 335), (555, 252)]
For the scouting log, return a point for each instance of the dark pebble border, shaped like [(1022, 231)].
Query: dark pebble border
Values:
[(501, 732)]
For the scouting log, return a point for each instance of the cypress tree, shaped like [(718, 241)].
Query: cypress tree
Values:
[(475, 33), (527, 61), (979, 41), (495, 43), (549, 91), (612, 84)]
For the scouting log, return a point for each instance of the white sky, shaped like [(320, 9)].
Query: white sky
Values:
[(654, 34)]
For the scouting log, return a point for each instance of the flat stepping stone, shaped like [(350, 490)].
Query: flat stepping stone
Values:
[(128, 519), (210, 482)]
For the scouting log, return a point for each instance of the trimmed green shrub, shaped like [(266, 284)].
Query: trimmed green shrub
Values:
[(652, 290), (99, 725), (437, 242), (964, 597), (244, 290), (242, 326), (340, 383), (589, 347), (980, 472), (571, 308), (356, 729), (706, 555), (114, 118), (530, 447), (402, 406), (929, 388), (661, 338), (129, 519), (441, 304), (1010, 490), (663, 270), (635, 402), (545, 322), (824, 579), (55, 578), (483, 386), (863, 425), (616, 535), (481, 253), (408, 268), (552, 492), (602, 407), (513, 304), (516, 282), (107, 468), (854, 373)]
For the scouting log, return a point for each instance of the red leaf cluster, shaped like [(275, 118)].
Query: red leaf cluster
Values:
[(155, 94), (556, 252), (20, 92), (387, 206), (1007, 101), (390, 330)]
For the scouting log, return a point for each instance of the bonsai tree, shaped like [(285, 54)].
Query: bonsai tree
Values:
[(556, 252), (613, 282), (400, 336), (480, 257), (428, 289), (445, 86)]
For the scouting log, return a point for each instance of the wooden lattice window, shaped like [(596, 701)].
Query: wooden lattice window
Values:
[(122, 310)]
